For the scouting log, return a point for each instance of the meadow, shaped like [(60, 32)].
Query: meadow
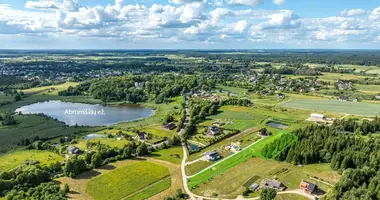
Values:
[(30, 126), (151, 191), (173, 155), (122, 182), (369, 89), (286, 173), (14, 159), (341, 107)]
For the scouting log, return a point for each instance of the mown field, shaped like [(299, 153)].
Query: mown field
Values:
[(353, 108), (153, 190), (369, 89), (45, 89), (173, 155), (286, 173), (14, 159), (127, 181)]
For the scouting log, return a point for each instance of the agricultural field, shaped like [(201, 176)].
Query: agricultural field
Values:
[(290, 197), (122, 182), (112, 142), (369, 89), (50, 90), (30, 126), (334, 106), (16, 158), (260, 168)]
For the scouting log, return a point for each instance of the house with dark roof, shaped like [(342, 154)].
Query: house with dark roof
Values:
[(213, 130), (212, 156), (308, 187), (342, 98), (271, 183), (141, 136), (169, 126)]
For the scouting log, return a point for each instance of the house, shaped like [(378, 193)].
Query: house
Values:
[(342, 98), (377, 97), (233, 147), (271, 183), (213, 130), (264, 132), (218, 124), (212, 156), (280, 95), (73, 150), (141, 136), (317, 116), (254, 187), (169, 126), (308, 187)]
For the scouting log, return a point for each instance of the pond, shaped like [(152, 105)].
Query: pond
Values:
[(87, 114), (277, 125), (94, 136), (193, 147)]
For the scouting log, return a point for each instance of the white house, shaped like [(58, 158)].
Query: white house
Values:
[(317, 116)]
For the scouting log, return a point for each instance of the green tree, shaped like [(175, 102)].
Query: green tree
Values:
[(96, 160), (142, 150), (268, 194)]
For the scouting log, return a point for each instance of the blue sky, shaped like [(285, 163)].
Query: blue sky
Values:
[(189, 24)]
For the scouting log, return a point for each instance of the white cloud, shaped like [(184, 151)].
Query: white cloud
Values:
[(375, 15), (184, 1), (66, 5), (278, 2), (245, 2), (241, 26), (285, 19), (353, 12)]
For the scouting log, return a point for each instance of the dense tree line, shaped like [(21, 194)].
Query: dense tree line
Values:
[(44, 191), (303, 70), (75, 91), (357, 157), (273, 149), (146, 87), (235, 102)]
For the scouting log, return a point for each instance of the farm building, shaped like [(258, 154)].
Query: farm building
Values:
[(233, 147), (308, 187), (213, 130), (169, 126), (317, 116), (280, 95), (271, 183), (377, 97), (73, 150), (212, 156), (254, 187)]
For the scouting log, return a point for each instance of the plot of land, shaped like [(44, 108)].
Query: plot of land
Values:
[(370, 89), (14, 159), (125, 181), (354, 108), (173, 155), (30, 126), (45, 89), (286, 173)]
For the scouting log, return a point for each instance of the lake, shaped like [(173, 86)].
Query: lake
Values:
[(87, 114), (277, 125)]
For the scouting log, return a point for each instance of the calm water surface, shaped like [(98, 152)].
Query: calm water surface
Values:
[(87, 114)]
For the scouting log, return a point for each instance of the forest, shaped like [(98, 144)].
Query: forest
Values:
[(343, 146)]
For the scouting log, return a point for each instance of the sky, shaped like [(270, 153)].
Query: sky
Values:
[(189, 24)]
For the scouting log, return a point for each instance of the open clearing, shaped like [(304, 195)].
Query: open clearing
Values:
[(78, 185), (353, 108), (45, 89), (290, 197), (369, 89), (286, 173), (123, 181), (14, 159)]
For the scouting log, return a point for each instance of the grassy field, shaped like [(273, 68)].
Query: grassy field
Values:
[(369, 89), (354, 108), (290, 197), (286, 173), (151, 191), (169, 155), (112, 142), (123, 182), (29, 126), (241, 157), (17, 158), (45, 89)]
